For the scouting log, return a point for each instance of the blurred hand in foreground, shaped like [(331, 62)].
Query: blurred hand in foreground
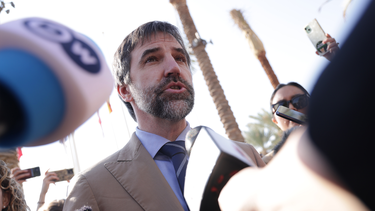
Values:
[(287, 183)]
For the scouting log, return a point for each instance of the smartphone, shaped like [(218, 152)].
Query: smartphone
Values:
[(65, 174), (291, 115), (34, 172), (316, 35)]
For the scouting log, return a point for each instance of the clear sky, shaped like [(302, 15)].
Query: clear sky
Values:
[(278, 23)]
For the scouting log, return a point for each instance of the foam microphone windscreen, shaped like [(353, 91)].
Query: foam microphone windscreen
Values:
[(52, 79)]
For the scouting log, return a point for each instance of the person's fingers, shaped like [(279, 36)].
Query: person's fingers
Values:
[(21, 176), (237, 193), (46, 172), (18, 171), (333, 48), (51, 178), (329, 40), (316, 52), (14, 170), (54, 178), (328, 35), (50, 174)]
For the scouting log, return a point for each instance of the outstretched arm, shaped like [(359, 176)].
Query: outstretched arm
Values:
[(48, 179)]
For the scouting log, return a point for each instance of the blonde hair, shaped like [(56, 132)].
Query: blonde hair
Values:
[(10, 186)]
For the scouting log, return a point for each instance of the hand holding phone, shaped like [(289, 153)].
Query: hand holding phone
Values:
[(291, 115), (65, 174), (21, 175), (316, 35)]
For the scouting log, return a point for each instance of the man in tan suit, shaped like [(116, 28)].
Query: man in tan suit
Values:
[(152, 71)]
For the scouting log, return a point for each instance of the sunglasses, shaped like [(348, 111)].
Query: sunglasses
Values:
[(298, 102)]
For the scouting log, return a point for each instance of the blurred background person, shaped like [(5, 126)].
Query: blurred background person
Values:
[(12, 197), (55, 205), (291, 95)]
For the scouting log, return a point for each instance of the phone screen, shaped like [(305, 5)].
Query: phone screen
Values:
[(291, 115), (316, 35)]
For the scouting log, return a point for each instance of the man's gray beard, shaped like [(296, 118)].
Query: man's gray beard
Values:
[(154, 101)]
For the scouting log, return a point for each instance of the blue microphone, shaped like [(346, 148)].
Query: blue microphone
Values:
[(52, 79)]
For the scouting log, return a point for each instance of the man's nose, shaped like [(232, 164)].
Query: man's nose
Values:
[(171, 67)]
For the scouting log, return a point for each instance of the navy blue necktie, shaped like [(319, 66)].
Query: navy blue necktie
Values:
[(176, 151)]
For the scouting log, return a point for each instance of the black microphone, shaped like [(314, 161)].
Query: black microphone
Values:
[(213, 160)]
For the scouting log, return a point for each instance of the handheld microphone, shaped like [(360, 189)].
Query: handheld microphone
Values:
[(52, 79), (213, 161)]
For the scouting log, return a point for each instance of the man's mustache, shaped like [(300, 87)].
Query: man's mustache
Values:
[(160, 88)]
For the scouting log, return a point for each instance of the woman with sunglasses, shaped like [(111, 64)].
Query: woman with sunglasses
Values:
[(291, 95)]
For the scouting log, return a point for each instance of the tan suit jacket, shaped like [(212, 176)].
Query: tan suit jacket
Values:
[(129, 180)]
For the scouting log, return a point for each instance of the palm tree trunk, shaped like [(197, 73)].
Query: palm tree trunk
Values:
[(214, 87), (255, 45)]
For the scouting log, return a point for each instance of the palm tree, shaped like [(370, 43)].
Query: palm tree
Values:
[(256, 45), (198, 45), (263, 133)]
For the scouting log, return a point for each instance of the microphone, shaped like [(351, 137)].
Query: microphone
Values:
[(52, 79), (213, 160)]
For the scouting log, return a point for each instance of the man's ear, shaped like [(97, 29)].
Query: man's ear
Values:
[(6, 199), (124, 92)]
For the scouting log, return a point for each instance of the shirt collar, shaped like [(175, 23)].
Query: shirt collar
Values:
[(153, 142)]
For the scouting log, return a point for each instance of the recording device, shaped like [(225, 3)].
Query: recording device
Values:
[(65, 174), (213, 160), (34, 172), (316, 35), (291, 115), (52, 79)]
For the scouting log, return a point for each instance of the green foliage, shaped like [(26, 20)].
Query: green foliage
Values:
[(263, 133)]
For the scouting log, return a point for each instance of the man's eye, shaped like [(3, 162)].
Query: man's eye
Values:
[(181, 59), (150, 59)]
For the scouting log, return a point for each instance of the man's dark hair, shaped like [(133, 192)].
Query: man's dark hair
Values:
[(288, 84), (122, 57)]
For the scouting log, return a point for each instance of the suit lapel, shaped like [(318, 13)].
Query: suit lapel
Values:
[(137, 172)]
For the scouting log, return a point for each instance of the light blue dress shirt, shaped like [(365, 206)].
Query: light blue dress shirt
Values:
[(153, 143)]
